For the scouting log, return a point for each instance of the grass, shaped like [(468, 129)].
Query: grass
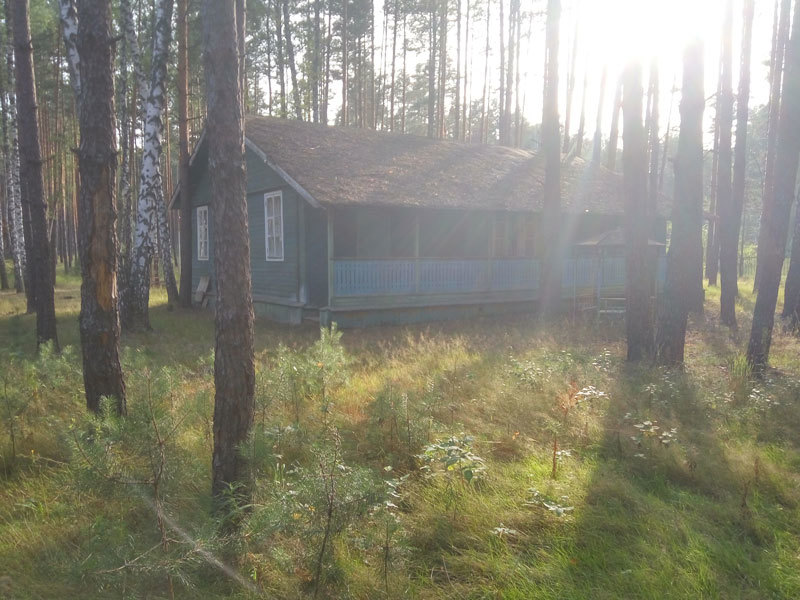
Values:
[(711, 510)]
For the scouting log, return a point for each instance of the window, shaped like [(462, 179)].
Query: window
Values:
[(202, 233), (273, 224)]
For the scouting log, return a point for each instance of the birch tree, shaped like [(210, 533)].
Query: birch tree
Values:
[(13, 212), (150, 209)]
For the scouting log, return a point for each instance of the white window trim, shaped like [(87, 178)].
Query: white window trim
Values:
[(200, 256), (268, 196)]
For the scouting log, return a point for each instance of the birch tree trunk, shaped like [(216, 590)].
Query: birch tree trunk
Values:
[(234, 372), (31, 175), (787, 155), (685, 255), (150, 210), (13, 208), (16, 219), (97, 237)]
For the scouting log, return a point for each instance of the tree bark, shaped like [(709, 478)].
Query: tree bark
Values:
[(551, 144), (150, 204), (775, 86), (234, 371), (638, 322), (13, 208), (724, 168), (97, 238), (597, 145), (570, 89), (183, 159), (685, 255), (287, 31), (611, 159), (345, 22), (732, 224), (31, 175), (786, 160), (17, 214)]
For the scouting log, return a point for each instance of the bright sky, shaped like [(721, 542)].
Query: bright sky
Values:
[(612, 33)]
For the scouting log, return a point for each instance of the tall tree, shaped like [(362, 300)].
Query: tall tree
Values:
[(731, 217), (97, 237), (13, 209), (597, 144), (183, 151), (31, 176), (638, 322), (287, 31), (613, 137), (551, 145), (724, 169), (149, 222), (20, 211), (776, 75), (787, 156), (234, 370), (685, 256), (654, 138)]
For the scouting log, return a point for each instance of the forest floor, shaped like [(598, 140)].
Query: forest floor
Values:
[(492, 458)]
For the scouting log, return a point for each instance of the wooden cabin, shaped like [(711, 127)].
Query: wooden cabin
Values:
[(360, 227)]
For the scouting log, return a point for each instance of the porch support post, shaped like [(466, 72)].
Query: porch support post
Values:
[(492, 240), (329, 217), (416, 250)]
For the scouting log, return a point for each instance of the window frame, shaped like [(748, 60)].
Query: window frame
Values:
[(277, 194), (204, 257)]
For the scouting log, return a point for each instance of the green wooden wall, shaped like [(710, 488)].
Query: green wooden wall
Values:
[(272, 280)]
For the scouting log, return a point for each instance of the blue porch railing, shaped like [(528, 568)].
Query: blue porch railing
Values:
[(436, 276)]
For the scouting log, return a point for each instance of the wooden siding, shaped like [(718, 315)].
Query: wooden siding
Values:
[(274, 280)]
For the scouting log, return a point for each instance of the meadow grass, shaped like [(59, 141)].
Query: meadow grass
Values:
[(438, 442)]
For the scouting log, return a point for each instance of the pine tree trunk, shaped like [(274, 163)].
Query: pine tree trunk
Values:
[(638, 322), (597, 145), (570, 89), (234, 371), (432, 37), (501, 101), (786, 162), (150, 204), (31, 177), (655, 138), (712, 238), (776, 82), (315, 62), (685, 255), (732, 216), (97, 238), (724, 171), (551, 144), (287, 31), (279, 58), (611, 159), (457, 99), (345, 73), (484, 137), (183, 159)]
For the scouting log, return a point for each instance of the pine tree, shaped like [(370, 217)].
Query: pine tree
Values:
[(31, 177), (685, 256), (234, 370)]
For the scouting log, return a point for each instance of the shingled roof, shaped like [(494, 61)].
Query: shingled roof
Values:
[(349, 166)]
